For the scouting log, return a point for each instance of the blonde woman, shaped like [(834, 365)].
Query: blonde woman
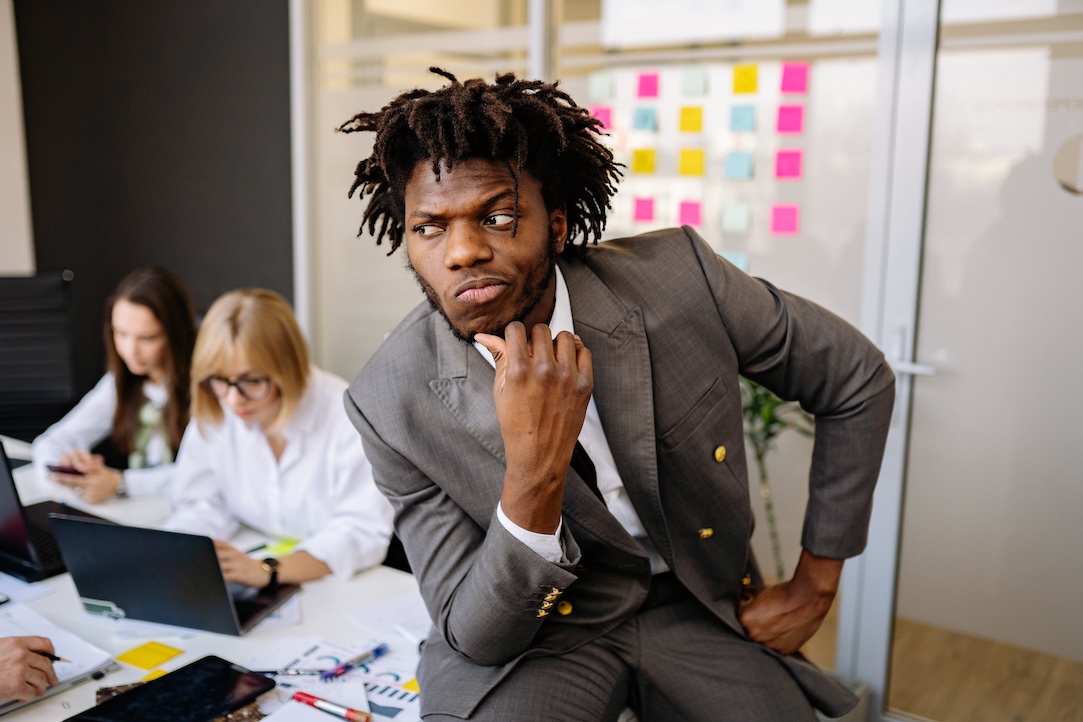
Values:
[(270, 447)]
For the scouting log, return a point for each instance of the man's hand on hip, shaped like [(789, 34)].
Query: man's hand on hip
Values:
[(785, 616)]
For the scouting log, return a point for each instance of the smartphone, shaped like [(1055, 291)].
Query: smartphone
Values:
[(202, 691), (63, 469)]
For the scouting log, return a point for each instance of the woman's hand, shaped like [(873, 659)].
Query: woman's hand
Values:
[(97, 483), (239, 567), (243, 569)]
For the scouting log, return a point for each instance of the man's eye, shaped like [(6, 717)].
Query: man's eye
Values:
[(426, 230), (500, 219)]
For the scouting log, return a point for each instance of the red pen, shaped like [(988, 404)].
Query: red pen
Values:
[(354, 715)]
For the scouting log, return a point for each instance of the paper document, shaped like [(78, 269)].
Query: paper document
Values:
[(404, 615), (19, 591), (85, 661), (385, 686)]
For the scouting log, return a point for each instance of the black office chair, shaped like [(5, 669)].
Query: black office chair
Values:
[(396, 556), (37, 373)]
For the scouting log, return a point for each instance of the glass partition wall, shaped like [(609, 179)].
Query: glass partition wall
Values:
[(965, 601), (987, 623), (915, 169), (763, 144)]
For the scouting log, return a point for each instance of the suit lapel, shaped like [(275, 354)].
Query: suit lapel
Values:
[(623, 390), (465, 385)]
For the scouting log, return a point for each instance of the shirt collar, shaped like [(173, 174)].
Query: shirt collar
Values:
[(560, 321), (306, 416)]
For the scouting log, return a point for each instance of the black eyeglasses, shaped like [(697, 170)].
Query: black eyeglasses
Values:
[(253, 388)]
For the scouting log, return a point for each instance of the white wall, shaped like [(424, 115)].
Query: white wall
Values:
[(16, 237)]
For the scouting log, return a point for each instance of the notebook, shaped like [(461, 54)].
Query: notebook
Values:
[(83, 660), (27, 546), (158, 576)]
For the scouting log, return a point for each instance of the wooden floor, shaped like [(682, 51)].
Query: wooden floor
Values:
[(950, 677)]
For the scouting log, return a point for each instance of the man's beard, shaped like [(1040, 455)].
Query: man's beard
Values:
[(540, 275)]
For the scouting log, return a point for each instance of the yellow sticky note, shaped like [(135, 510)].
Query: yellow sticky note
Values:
[(643, 160), (282, 547), (156, 674), (692, 161), (149, 655), (745, 78), (691, 119), (412, 686)]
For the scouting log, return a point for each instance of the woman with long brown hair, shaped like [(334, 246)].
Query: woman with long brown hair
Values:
[(136, 414)]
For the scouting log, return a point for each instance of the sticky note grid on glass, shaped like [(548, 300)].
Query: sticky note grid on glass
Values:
[(647, 85), (795, 78), (643, 210), (791, 119), (788, 165), (785, 219), (690, 213)]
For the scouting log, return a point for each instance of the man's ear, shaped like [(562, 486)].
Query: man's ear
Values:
[(558, 224)]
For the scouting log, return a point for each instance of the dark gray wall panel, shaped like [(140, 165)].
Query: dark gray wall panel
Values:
[(157, 133)]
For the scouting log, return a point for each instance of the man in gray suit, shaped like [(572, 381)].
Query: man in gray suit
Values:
[(560, 432)]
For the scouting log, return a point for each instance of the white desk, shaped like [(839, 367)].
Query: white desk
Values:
[(324, 605)]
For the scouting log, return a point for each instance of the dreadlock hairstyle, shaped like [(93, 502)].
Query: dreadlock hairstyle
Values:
[(529, 125)]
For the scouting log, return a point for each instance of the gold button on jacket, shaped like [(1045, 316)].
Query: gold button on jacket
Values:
[(720, 454), (706, 533), (564, 608)]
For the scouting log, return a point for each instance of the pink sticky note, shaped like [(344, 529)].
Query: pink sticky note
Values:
[(643, 209), (788, 165), (784, 219), (648, 85), (795, 78), (791, 118), (603, 113), (689, 213)]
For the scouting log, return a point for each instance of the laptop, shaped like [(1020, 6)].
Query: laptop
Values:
[(28, 548), (158, 576)]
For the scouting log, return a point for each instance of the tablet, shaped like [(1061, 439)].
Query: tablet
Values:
[(198, 692)]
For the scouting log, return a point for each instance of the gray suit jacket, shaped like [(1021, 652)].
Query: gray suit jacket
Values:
[(670, 325)]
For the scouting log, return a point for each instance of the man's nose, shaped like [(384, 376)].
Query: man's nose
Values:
[(466, 246)]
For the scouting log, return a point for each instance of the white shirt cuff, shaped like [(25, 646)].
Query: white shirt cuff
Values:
[(546, 545)]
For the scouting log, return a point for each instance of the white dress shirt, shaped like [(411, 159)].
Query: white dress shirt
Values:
[(321, 491), (593, 440), (90, 422)]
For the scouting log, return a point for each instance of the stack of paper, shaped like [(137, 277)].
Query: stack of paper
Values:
[(85, 661)]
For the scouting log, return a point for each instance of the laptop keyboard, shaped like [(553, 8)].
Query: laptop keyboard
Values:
[(41, 536)]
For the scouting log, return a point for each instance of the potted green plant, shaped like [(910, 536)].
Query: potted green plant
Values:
[(766, 416)]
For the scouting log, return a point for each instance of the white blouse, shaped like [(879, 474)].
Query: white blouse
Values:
[(90, 422), (321, 491)]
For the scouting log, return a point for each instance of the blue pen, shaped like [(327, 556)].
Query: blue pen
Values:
[(377, 651)]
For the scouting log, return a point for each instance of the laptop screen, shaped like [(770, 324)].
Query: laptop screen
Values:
[(14, 535)]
